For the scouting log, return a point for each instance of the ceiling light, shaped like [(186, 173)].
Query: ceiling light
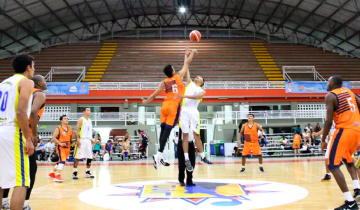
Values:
[(182, 9)]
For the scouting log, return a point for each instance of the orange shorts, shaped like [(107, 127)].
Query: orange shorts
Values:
[(63, 153), (342, 147), (296, 145), (251, 147), (170, 113)]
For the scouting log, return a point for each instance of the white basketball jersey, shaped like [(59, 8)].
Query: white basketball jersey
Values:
[(86, 129), (9, 99), (192, 90)]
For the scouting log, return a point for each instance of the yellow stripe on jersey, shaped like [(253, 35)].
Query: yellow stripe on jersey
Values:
[(76, 151), (17, 98), (21, 160)]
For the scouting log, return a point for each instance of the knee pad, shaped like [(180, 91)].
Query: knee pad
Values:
[(88, 162)]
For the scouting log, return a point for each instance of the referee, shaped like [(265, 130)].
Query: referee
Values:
[(181, 159)]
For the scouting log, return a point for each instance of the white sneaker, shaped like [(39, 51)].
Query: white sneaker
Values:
[(27, 208), (5, 205), (156, 161), (163, 160)]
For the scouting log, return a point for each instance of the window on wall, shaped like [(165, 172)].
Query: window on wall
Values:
[(109, 109), (218, 108), (92, 109), (202, 108), (259, 108), (150, 109)]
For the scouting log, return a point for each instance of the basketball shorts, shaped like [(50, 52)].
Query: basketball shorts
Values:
[(170, 112), (63, 154), (342, 146), (85, 150), (296, 145), (190, 120), (253, 148), (14, 163), (143, 146)]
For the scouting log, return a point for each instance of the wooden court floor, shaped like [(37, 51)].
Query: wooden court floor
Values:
[(302, 172)]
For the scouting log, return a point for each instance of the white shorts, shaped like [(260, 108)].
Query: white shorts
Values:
[(190, 120), (85, 150), (14, 163)]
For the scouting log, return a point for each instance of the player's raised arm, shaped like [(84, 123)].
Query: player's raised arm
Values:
[(157, 92), (259, 127), (25, 90), (187, 61)]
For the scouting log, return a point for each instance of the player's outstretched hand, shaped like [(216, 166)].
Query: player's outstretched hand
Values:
[(29, 147), (323, 147), (144, 101)]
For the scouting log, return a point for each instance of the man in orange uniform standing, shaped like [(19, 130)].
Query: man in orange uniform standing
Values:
[(251, 145), (170, 110), (62, 136), (342, 107)]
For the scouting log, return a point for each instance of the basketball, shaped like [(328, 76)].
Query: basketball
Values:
[(195, 36)]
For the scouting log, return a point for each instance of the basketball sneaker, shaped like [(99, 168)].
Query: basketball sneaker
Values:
[(163, 160), (242, 171), (357, 195), (74, 176), (5, 205), (261, 169), (58, 178), (326, 178), (205, 161), (27, 207), (188, 165), (88, 175), (348, 205), (156, 161), (51, 175)]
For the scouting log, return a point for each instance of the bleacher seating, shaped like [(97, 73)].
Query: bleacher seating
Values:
[(142, 60)]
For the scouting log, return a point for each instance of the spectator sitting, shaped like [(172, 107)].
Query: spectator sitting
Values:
[(284, 141), (306, 137), (298, 129), (309, 128), (96, 150), (50, 148), (263, 142), (126, 149), (108, 149), (317, 128)]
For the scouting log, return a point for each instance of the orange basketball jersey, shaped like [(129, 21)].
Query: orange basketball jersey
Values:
[(251, 134), (65, 136), (346, 113), (41, 110), (173, 87), (296, 139)]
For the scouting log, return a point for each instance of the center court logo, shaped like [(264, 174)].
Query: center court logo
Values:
[(226, 194)]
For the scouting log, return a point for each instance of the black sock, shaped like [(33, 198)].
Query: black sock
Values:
[(164, 137)]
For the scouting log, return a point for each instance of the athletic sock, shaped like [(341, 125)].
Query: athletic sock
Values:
[(328, 174), (4, 200), (88, 170), (348, 196), (356, 184), (75, 170), (26, 203), (260, 165), (242, 166), (186, 155), (202, 155)]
